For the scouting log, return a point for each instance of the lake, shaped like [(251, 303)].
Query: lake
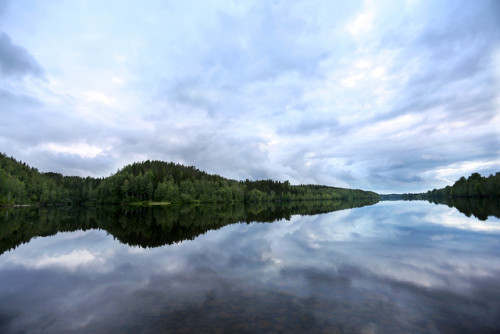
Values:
[(391, 267)]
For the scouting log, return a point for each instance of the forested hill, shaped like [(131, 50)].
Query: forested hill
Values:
[(151, 181), (22, 184)]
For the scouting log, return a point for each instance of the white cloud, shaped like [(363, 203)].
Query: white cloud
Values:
[(379, 73), (71, 261), (450, 173), (92, 96), (452, 218), (118, 80), (83, 150), (362, 24)]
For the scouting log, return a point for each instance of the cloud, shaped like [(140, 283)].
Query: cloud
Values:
[(15, 61), (269, 90), (71, 261), (3, 7)]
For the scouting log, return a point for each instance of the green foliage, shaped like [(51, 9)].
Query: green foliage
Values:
[(176, 183), (152, 180), (475, 186), (21, 184)]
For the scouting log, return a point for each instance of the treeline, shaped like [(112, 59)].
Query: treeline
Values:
[(475, 186), (160, 181), (151, 181), (22, 184)]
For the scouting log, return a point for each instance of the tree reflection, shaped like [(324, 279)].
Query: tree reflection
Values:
[(481, 208), (152, 226)]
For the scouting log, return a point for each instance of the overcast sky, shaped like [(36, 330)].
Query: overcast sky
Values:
[(390, 96)]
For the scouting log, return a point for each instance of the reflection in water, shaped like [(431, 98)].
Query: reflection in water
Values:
[(478, 207), (152, 226), (387, 268)]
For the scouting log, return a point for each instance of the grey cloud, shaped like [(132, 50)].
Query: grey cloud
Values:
[(456, 49), (394, 163), (310, 125), (194, 94), (263, 66), (248, 54), (9, 101), (224, 154), (317, 169), (394, 168), (28, 124), (206, 149), (15, 60), (73, 164), (3, 6), (47, 126), (453, 53), (260, 45), (462, 24)]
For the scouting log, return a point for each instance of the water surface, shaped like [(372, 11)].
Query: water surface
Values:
[(408, 267)]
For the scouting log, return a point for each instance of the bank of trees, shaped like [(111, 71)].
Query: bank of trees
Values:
[(475, 186), (22, 184), (151, 181)]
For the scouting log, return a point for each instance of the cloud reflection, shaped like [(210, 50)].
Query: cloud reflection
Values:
[(393, 269)]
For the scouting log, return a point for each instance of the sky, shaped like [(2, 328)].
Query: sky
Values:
[(389, 96)]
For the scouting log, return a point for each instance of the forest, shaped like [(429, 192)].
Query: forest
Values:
[(150, 181), (475, 186)]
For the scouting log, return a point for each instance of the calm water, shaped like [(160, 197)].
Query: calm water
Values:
[(393, 267)]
